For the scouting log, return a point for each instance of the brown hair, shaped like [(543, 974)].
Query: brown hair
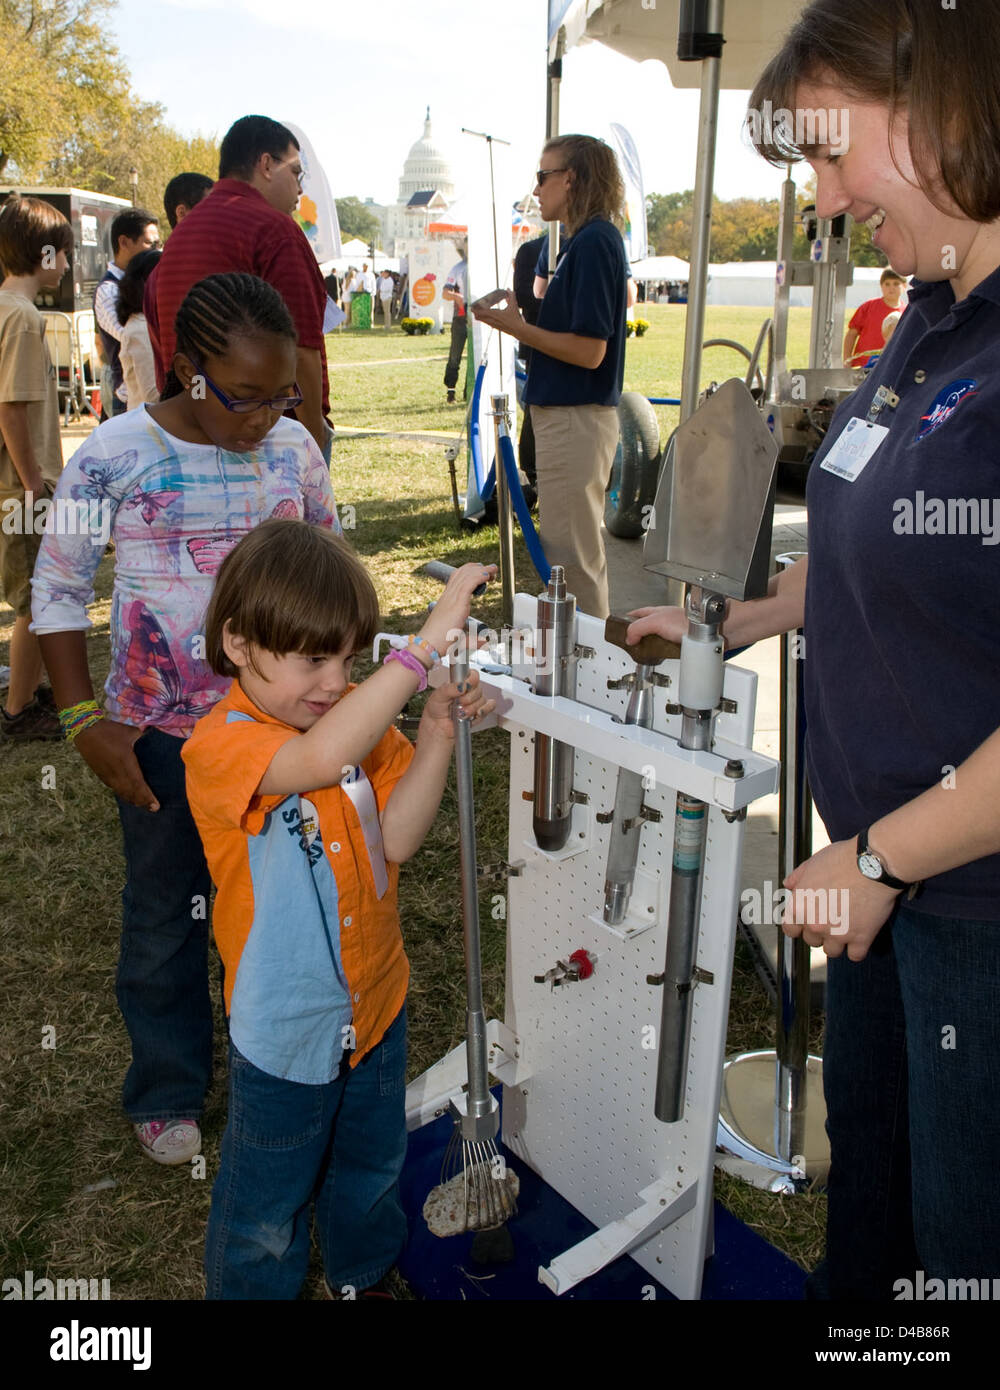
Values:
[(596, 188), (937, 65), (290, 587), (29, 227)]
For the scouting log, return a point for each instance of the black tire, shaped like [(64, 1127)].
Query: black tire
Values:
[(636, 467)]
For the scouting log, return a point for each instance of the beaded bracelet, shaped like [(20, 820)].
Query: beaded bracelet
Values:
[(411, 662), (432, 652), (76, 718)]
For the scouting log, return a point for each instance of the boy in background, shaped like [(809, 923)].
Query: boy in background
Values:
[(864, 332), (35, 245)]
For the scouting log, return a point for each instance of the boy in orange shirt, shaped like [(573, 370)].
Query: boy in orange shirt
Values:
[(307, 800)]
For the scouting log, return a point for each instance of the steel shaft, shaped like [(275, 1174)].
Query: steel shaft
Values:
[(626, 827), (480, 1102), (555, 674)]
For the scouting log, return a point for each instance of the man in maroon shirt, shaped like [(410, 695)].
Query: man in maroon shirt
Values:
[(245, 224)]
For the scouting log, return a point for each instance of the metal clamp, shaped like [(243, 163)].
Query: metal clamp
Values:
[(646, 813), (700, 977)]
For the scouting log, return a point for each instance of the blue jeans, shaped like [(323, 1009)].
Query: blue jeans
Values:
[(286, 1145), (911, 1072), (163, 964)]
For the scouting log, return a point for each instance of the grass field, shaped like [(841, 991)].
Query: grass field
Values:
[(76, 1199)]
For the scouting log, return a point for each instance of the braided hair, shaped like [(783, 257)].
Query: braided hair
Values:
[(220, 308)]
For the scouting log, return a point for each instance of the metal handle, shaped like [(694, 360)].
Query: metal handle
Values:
[(480, 1102)]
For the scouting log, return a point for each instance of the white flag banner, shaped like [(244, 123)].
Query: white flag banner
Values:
[(636, 246), (316, 213)]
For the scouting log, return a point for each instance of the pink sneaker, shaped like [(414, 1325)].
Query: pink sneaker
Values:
[(169, 1141)]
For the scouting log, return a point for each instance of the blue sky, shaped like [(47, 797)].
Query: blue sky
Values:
[(356, 78)]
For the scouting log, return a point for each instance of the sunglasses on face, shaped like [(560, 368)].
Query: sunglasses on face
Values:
[(542, 174)]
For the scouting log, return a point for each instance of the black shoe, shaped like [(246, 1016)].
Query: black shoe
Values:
[(33, 723), (451, 398), (45, 698)]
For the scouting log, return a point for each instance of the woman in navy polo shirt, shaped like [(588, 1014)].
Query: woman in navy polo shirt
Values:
[(577, 359), (900, 613)]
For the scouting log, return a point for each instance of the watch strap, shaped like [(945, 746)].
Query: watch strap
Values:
[(885, 877)]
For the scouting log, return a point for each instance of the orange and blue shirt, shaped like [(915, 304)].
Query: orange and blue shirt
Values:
[(306, 917)]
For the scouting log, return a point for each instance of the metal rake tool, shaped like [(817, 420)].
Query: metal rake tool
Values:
[(484, 1192)]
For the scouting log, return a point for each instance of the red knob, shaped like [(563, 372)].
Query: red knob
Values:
[(584, 961)]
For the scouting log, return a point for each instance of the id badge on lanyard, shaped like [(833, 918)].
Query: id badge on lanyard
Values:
[(859, 439)]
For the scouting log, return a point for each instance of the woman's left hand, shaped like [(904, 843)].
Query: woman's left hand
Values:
[(437, 711), (509, 320), (833, 905)]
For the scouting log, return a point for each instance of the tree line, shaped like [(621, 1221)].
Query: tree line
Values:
[(743, 229), (68, 114)]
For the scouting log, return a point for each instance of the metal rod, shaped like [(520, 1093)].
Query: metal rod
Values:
[(555, 674), (475, 1018), (701, 219), (782, 292), (552, 130), (492, 140), (505, 513), (626, 827), (700, 690), (794, 845)]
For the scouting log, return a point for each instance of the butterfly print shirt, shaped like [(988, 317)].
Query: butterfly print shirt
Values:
[(174, 511)]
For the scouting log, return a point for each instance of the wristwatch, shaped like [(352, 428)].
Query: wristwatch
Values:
[(872, 867)]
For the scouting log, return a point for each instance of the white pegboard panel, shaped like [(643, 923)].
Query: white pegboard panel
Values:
[(584, 1117)]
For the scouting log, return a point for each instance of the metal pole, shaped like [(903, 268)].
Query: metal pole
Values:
[(794, 845), (699, 694), (475, 1016), (626, 826), (552, 130), (505, 513), (555, 674), (710, 51), (786, 237)]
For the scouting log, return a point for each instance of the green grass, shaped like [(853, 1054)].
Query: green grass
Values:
[(61, 872)]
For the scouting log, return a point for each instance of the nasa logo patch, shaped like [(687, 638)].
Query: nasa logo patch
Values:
[(944, 405)]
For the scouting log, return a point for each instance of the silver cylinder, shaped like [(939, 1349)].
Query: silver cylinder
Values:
[(555, 674), (794, 845), (682, 947), (505, 513), (705, 611), (626, 827)]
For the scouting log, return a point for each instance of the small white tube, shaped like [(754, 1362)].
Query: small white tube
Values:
[(700, 685)]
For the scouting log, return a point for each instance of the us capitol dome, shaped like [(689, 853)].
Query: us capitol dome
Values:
[(426, 190), (427, 168)]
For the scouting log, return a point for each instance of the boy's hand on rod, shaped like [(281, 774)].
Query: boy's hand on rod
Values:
[(437, 715), (452, 609)]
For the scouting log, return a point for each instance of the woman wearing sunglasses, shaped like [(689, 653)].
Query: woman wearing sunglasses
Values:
[(175, 485), (577, 358)]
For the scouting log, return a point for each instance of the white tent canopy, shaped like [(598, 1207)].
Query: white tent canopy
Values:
[(660, 268), (351, 250), (342, 263), (640, 30)]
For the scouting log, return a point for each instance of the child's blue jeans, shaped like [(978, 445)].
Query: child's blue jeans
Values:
[(286, 1146), (162, 981)]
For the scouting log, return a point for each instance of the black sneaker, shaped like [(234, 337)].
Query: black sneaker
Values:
[(45, 698), (33, 723)]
